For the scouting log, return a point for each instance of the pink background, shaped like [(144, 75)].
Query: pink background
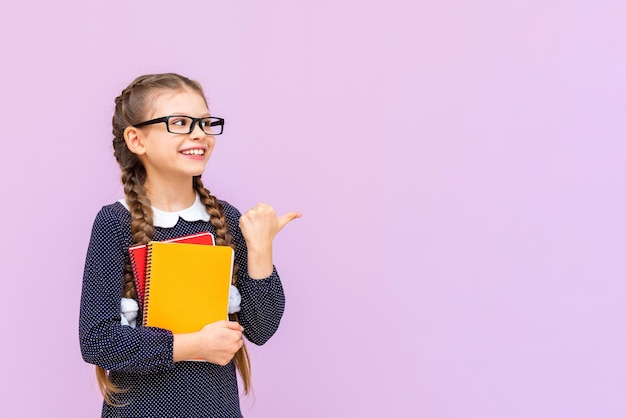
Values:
[(460, 167)]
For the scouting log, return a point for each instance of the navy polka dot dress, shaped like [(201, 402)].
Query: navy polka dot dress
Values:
[(140, 359)]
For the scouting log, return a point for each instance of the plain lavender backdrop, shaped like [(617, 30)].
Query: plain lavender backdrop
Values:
[(460, 167)]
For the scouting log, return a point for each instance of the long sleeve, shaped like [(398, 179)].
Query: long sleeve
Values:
[(103, 340), (262, 301)]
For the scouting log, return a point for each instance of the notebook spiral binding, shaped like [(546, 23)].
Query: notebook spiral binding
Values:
[(146, 290), (135, 271)]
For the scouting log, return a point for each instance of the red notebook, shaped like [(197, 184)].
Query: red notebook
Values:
[(138, 254)]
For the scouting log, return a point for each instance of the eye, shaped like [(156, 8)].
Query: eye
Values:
[(181, 121), (207, 123)]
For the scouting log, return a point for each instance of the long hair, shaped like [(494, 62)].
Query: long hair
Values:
[(131, 108)]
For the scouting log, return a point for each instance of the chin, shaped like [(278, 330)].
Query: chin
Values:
[(197, 169), (195, 173)]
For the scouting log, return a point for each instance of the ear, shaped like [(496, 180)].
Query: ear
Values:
[(134, 140)]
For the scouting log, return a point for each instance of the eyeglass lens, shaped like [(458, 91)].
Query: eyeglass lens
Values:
[(184, 125)]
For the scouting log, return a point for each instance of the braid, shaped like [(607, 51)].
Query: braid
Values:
[(141, 225), (218, 220)]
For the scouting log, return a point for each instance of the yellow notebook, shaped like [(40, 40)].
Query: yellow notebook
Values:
[(187, 285)]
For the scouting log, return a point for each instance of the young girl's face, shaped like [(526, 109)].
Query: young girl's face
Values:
[(175, 155)]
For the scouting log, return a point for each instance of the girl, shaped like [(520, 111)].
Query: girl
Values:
[(163, 137)]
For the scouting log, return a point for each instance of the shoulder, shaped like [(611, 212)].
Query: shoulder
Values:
[(113, 218), (111, 227), (232, 215), (115, 212), (230, 211)]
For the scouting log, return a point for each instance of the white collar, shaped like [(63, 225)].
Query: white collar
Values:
[(195, 212)]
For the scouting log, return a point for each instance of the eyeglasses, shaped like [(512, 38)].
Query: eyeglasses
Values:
[(185, 124)]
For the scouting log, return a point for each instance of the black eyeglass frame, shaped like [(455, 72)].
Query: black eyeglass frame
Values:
[(213, 121)]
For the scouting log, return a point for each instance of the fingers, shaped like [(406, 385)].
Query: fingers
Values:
[(288, 217), (234, 325), (264, 207), (220, 341), (260, 224), (263, 210), (230, 325), (259, 209)]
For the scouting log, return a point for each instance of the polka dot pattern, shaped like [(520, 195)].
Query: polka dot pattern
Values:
[(140, 359)]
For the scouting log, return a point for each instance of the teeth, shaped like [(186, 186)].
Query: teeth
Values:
[(194, 152)]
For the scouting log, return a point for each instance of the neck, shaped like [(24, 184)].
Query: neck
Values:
[(170, 195)]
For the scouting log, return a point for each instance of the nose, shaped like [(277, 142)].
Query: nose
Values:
[(196, 131)]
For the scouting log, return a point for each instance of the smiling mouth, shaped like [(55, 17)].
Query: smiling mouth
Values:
[(193, 152)]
